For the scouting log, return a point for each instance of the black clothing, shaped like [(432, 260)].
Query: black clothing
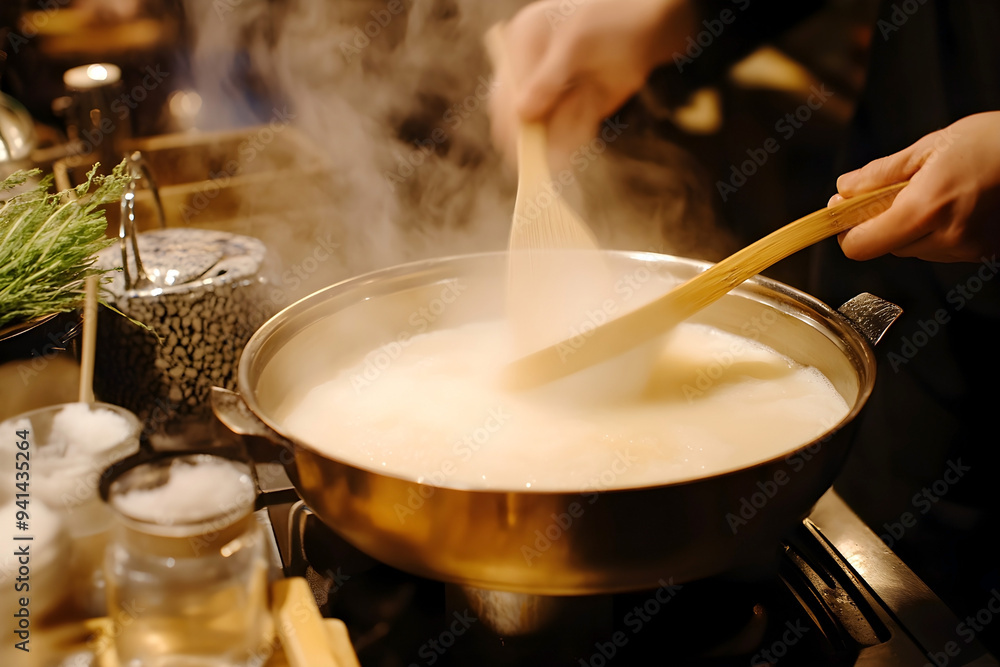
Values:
[(935, 407), (937, 396)]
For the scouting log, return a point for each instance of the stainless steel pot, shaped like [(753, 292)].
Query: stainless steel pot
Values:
[(541, 542)]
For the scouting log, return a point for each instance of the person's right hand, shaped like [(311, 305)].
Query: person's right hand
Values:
[(950, 211), (571, 63)]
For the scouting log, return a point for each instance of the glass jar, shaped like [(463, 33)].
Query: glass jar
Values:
[(70, 446), (186, 565)]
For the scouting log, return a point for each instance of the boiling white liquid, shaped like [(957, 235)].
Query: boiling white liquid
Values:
[(715, 402)]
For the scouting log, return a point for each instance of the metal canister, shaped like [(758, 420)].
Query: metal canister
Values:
[(201, 294)]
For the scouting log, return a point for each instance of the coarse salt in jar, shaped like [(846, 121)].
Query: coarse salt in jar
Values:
[(186, 566), (64, 451)]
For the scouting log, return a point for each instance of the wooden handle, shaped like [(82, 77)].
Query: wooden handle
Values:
[(532, 155), (655, 318), (800, 234), (542, 219), (340, 643), (86, 391), (303, 634)]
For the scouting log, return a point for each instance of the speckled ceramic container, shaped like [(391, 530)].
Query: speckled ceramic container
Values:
[(207, 299)]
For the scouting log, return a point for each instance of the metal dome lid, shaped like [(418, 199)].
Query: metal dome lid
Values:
[(183, 259)]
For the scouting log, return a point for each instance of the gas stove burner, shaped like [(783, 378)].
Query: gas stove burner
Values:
[(708, 620), (834, 597)]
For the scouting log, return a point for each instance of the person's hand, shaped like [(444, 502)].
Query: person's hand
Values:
[(950, 211), (570, 64)]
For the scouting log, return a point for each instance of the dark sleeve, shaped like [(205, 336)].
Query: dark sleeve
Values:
[(727, 31)]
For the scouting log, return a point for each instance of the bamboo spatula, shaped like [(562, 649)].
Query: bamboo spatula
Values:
[(542, 218), (655, 318), (547, 292)]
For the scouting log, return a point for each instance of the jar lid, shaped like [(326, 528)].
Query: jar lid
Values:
[(183, 259)]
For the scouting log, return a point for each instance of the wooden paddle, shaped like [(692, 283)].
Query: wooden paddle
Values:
[(624, 333), (541, 302)]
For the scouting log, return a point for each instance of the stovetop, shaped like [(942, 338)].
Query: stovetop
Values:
[(835, 596)]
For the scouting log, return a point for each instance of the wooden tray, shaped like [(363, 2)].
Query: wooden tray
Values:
[(303, 638)]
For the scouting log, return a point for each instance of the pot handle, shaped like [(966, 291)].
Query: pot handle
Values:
[(232, 411), (870, 316)]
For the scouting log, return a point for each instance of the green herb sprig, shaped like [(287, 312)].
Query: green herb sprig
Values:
[(48, 243)]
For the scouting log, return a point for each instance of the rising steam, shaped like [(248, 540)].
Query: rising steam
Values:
[(391, 98)]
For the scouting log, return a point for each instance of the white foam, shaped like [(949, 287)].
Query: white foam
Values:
[(714, 402)]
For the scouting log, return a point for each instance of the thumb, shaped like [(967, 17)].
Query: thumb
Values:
[(541, 92), (885, 171)]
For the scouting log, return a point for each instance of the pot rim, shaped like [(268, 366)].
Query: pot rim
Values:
[(758, 285)]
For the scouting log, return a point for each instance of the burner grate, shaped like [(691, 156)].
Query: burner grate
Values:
[(837, 597)]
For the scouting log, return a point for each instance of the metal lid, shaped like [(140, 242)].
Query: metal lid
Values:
[(17, 131), (182, 259)]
